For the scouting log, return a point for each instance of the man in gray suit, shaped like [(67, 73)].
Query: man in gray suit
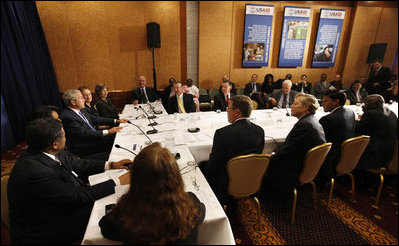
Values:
[(284, 97), (321, 87)]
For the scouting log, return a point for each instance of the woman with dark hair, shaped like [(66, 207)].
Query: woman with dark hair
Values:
[(156, 209), (104, 106), (86, 93), (268, 84)]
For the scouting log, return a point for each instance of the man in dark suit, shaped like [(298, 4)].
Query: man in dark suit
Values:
[(48, 201), (356, 93), (337, 83), (279, 82), (252, 86), (381, 124), (338, 126), (143, 94), (181, 102), (221, 100), (286, 165), (379, 78), (225, 78), (82, 138), (240, 138), (303, 86), (284, 97)]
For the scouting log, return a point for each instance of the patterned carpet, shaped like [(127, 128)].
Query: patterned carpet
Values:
[(343, 222)]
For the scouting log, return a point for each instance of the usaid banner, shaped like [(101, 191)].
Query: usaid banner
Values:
[(328, 34), (293, 37), (257, 34)]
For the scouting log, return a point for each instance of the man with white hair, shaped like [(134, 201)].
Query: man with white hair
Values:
[(284, 97), (82, 138), (286, 165)]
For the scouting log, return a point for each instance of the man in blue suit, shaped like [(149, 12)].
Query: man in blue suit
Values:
[(82, 138)]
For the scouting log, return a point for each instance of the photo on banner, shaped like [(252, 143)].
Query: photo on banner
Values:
[(257, 35), (293, 37), (327, 40)]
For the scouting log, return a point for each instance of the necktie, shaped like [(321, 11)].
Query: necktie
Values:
[(75, 180), (227, 100), (284, 105), (376, 72), (181, 105), (358, 96), (85, 119), (143, 96), (253, 87)]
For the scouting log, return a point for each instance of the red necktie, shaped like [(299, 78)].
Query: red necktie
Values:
[(227, 100)]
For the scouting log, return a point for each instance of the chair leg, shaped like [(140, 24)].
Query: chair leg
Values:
[(331, 191), (294, 207), (314, 193), (353, 186), (377, 199), (257, 201)]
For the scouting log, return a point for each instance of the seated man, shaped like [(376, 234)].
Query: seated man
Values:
[(356, 93), (286, 165), (284, 97), (381, 124), (321, 87), (337, 83), (279, 82), (338, 126), (225, 78), (143, 94), (221, 100), (240, 138), (82, 138), (180, 102), (303, 86), (48, 201), (391, 95), (252, 87)]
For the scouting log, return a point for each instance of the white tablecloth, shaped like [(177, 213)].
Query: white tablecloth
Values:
[(192, 146)]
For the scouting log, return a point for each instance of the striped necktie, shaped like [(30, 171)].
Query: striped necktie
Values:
[(85, 119)]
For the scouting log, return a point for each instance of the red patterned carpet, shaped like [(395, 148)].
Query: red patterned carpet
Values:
[(343, 222)]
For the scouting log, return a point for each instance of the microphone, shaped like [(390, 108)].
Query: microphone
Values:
[(149, 117), (148, 132), (120, 147), (155, 111), (139, 116), (288, 114)]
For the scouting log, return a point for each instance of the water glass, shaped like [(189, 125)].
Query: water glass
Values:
[(191, 171), (170, 143)]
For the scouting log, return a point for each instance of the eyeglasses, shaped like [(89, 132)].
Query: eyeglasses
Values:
[(229, 108)]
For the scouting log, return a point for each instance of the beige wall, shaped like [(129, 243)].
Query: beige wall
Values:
[(105, 42), (220, 53), (94, 42)]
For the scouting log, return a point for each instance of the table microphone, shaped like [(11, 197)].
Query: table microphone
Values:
[(148, 132), (120, 147), (149, 117), (155, 111)]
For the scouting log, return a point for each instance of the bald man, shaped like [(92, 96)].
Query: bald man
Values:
[(381, 124), (143, 94)]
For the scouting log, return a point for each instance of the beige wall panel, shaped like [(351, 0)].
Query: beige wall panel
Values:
[(107, 42), (57, 31), (215, 20), (363, 35), (388, 33)]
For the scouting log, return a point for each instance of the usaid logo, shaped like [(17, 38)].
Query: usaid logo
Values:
[(259, 10), (333, 14), (300, 11)]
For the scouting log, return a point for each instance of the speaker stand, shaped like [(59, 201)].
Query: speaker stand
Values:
[(154, 75)]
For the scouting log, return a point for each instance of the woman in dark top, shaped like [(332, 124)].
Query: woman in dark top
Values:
[(104, 106), (268, 84), (86, 93), (156, 209)]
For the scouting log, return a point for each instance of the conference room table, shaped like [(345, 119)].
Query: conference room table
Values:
[(172, 132)]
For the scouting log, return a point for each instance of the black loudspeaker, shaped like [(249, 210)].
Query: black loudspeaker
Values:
[(153, 35), (376, 52)]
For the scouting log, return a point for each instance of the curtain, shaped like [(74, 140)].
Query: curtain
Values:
[(27, 74)]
